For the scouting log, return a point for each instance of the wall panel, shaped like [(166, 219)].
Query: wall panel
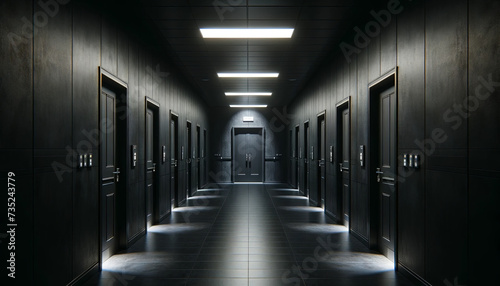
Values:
[(446, 72), (388, 46), (53, 134), (16, 133), (484, 135), (86, 58), (52, 256), (446, 222), (52, 81), (411, 127), (17, 79), (109, 45)]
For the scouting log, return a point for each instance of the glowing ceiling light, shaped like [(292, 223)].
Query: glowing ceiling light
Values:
[(266, 33), (248, 75), (248, 106), (249, 93)]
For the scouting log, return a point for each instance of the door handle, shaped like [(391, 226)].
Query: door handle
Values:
[(379, 175), (173, 163), (117, 174), (342, 168), (154, 167)]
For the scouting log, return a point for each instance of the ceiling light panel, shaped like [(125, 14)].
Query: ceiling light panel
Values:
[(249, 93), (248, 106), (249, 75), (247, 33)]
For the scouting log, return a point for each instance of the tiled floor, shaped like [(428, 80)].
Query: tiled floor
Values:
[(248, 235)]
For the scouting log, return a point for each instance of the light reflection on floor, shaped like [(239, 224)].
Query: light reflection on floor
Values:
[(178, 228), (317, 228), (302, 209), (248, 235)]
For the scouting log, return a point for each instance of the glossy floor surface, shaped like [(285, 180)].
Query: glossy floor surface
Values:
[(248, 234)]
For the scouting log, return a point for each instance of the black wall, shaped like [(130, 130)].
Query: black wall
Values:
[(49, 88), (274, 120), (444, 51)]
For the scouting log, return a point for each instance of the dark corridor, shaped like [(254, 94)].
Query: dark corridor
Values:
[(126, 126)]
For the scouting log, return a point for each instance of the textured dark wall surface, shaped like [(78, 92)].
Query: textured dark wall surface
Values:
[(49, 86), (447, 55), (223, 120)]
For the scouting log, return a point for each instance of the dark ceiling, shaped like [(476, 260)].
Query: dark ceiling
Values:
[(319, 25)]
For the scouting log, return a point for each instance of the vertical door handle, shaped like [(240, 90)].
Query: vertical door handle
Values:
[(379, 175), (117, 174), (154, 167), (321, 163)]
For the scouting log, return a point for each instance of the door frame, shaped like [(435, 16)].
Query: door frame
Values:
[(298, 156), (198, 156), (340, 107), (321, 188), (155, 106), (174, 171), (204, 173), (189, 158), (109, 81), (307, 157), (233, 171), (290, 158), (375, 88)]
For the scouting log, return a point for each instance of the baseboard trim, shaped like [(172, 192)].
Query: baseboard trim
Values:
[(85, 276), (412, 276), (135, 238), (332, 216), (360, 237)]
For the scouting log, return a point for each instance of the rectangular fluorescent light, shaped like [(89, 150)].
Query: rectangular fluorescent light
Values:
[(248, 106), (247, 33), (248, 75), (249, 93)]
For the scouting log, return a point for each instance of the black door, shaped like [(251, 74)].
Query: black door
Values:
[(151, 151), (203, 156), (248, 154), (198, 155), (110, 173), (297, 165), (306, 159), (344, 168), (189, 158), (291, 160), (321, 160), (174, 159), (386, 170)]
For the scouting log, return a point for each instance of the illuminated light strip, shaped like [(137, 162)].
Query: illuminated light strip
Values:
[(248, 106), (249, 93), (248, 75), (268, 33)]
